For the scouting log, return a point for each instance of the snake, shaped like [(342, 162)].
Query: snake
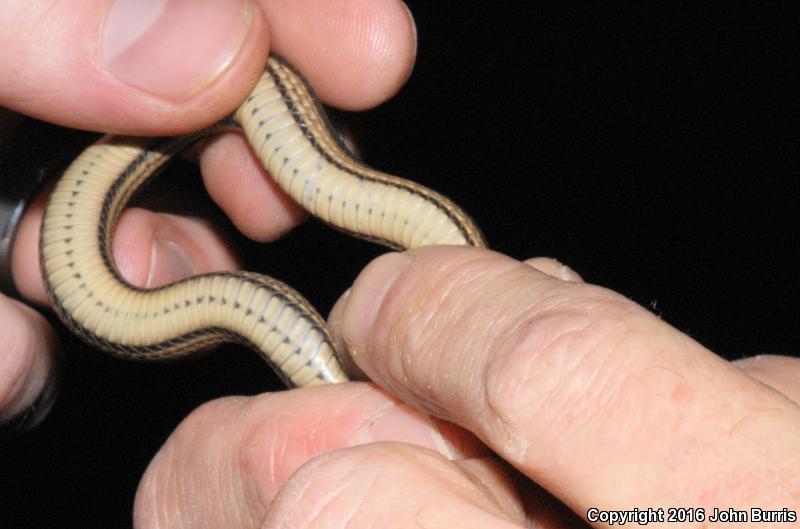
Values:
[(286, 127)]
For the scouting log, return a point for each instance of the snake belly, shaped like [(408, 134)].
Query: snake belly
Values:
[(291, 136)]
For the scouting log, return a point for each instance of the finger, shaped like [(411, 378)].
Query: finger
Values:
[(573, 384), (27, 364), (130, 66), (345, 480), (226, 461), (239, 185), (355, 53), (555, 269), (780, 372), (396, 485), (546, 265), (150, 249)]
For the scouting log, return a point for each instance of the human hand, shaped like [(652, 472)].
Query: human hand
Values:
[(96, 69), (570, 386)]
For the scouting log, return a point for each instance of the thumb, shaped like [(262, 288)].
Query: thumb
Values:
[(130, 66), (573, 384)]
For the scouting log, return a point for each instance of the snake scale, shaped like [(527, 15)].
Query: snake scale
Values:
[(287, 129)]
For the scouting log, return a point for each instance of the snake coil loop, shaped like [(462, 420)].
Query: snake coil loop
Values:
[(288, 131)]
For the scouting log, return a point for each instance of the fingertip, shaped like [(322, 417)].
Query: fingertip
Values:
[(239, 185), (27, 364), (374, 53), (230, 457), (197, 465), (393, 301), (366, 299)]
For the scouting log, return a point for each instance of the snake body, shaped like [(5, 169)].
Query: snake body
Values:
[(288, 131)]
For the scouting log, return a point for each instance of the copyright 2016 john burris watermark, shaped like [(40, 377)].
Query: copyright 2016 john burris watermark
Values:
[(688, 515)]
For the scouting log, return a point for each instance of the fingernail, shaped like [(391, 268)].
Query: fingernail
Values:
[(366, 297), (397, 422), (168, 263), (335, 324), (172, 48)]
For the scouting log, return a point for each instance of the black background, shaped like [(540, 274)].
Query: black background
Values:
[(652, 148)]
